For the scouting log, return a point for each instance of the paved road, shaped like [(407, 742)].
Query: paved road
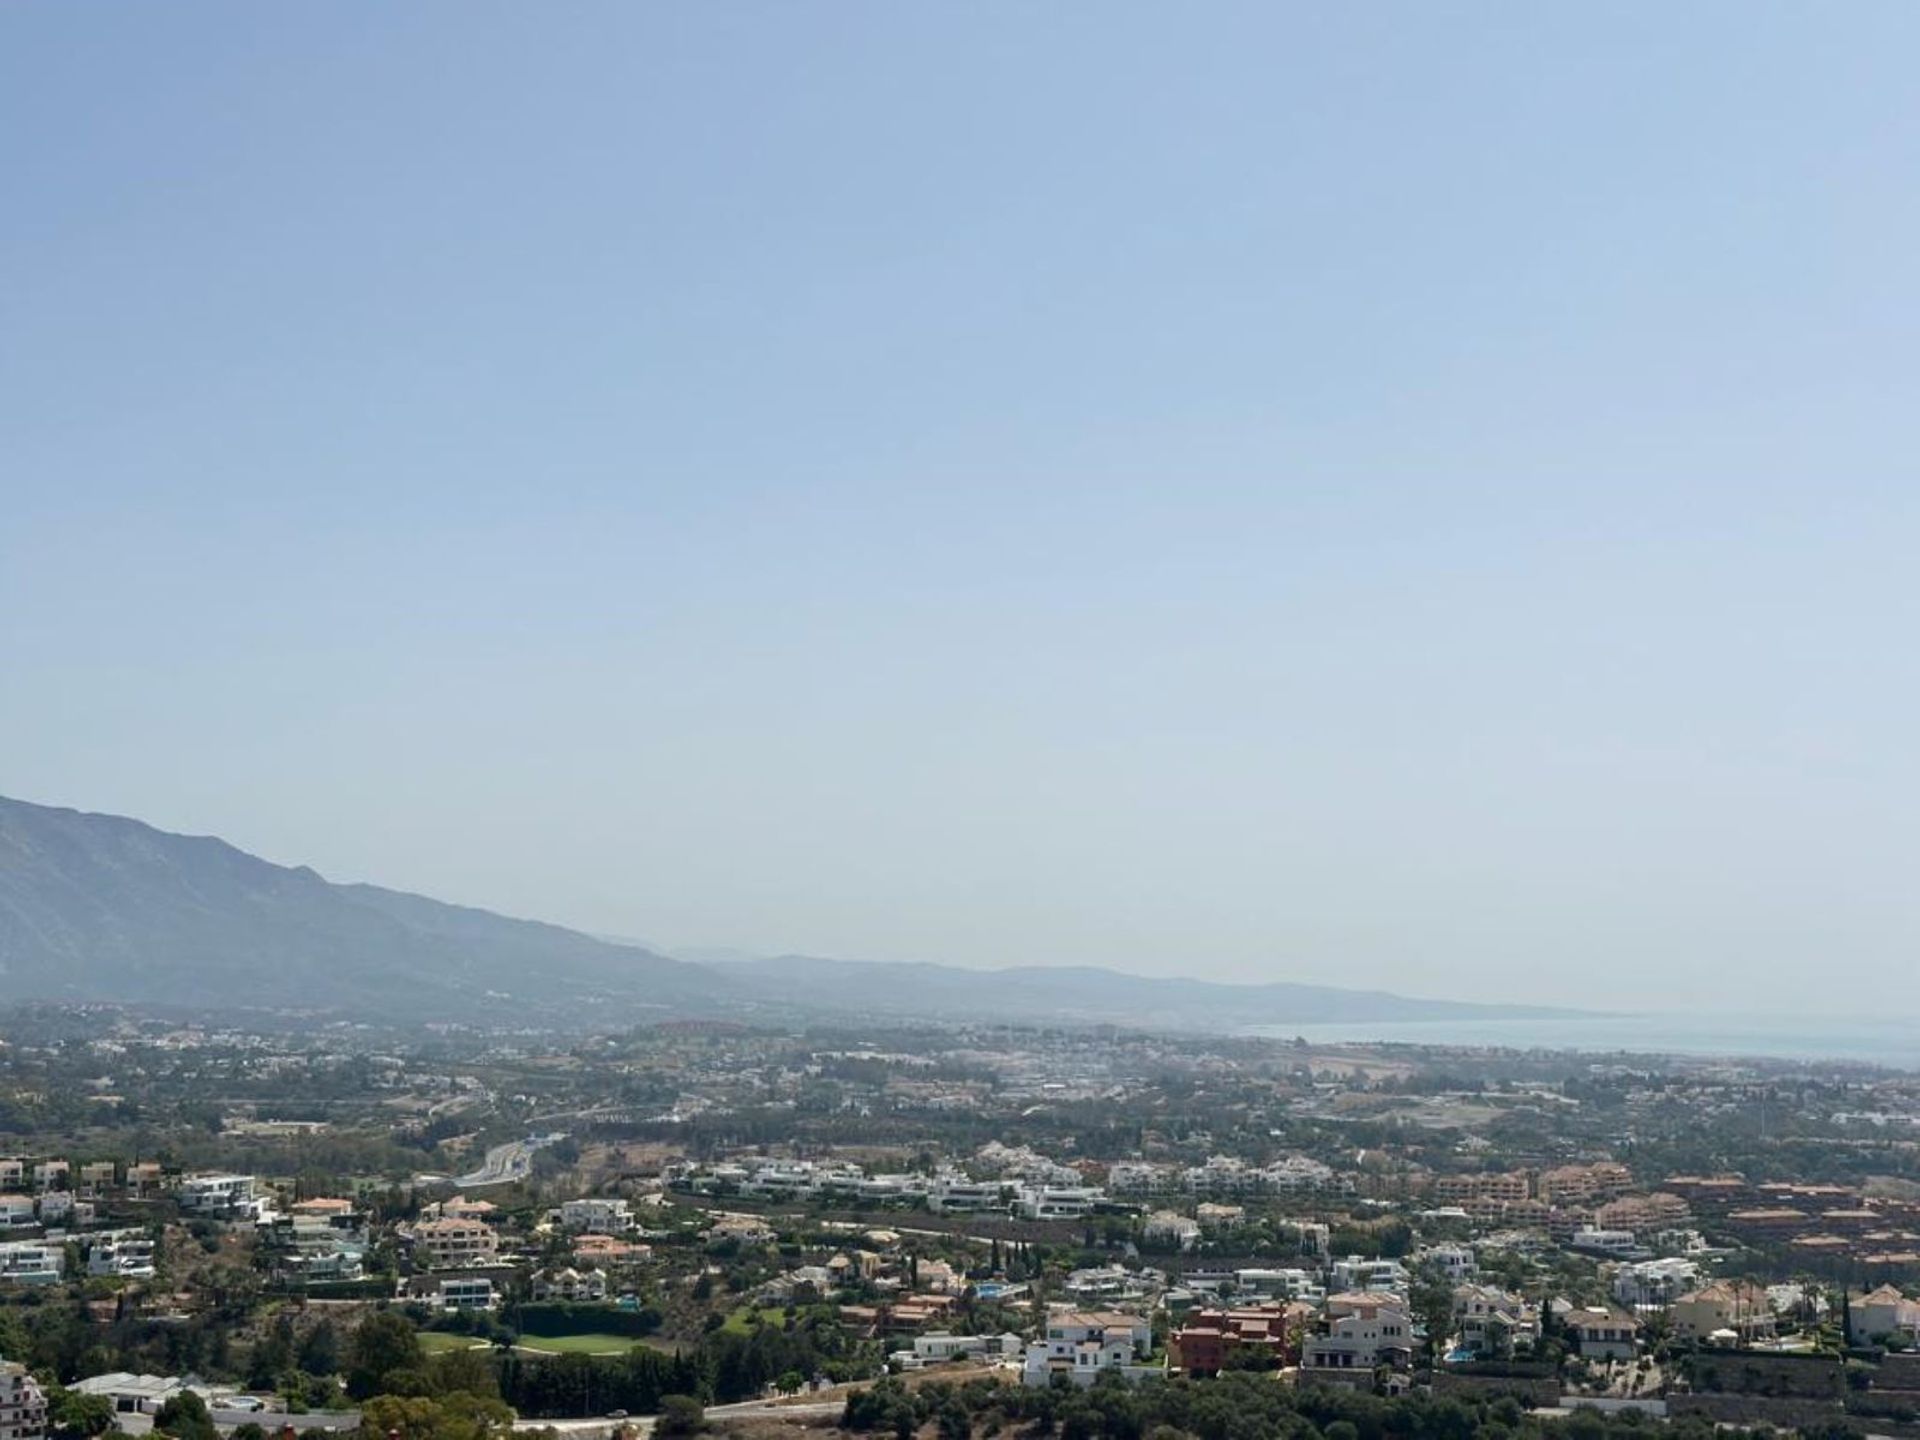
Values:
[(273, 1422), (504, 1163), (509, 1162)]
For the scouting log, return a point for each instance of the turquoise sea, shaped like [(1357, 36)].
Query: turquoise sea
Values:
[(1880, 1041)]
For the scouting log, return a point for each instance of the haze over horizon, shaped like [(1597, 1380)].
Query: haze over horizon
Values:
[(1396, 498)]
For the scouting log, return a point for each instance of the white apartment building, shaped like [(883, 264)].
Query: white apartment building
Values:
[(887, 1189), (446, 1244), (16, 1211), (724, 1176), (60, 1207), (1169, 1227), (327, 1239), (1494, 1322), (324, 1214), (1604, 1334), (1364, 1331), (467, 1293), (938, 1345), (1297, 1172), (1355, 1273), (842, 1180), (1224, 1175), (1056, 1202), (958, 1195), (1067, 1329), (31, 1262), (596, 1216), (225, 1197), (1139, 1177), (1084, 1344), (783, 1180), (1648, 1284), (749, 1230), (1882, 1313), (1028, 1166), (129, 1258), (1292, 1284), (570, 1285), (1621, 1244), (1229, 1175), (1455, 1262), (346, 1261), (1112, 1282)]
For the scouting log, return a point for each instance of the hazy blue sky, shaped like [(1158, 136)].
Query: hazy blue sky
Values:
[(1418, 495)]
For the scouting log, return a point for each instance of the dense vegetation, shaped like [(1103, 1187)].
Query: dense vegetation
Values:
[(1233, 1407)]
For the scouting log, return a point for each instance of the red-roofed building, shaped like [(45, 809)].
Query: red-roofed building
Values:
[(1202, 1346)]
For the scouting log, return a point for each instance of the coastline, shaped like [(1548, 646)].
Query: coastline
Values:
[(1874, 1042)]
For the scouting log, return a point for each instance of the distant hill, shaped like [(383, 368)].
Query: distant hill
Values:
[(1079, 993), (96, 907), (101, 908)]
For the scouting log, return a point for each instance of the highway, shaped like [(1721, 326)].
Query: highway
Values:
[(506, 1163)]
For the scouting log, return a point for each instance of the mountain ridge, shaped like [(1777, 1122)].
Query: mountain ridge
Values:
[(99, 907), (1094, 992), (105, 907)]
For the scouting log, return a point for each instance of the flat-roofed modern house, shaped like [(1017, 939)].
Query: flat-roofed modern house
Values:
[(218, 1196), (594, 1215), (31, 1262)]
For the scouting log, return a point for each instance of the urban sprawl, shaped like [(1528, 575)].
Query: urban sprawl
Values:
[(453, 1234)]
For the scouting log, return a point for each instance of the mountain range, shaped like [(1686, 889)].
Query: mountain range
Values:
[(104, 908), (1073, 992)]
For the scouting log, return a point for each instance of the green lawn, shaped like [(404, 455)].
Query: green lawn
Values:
[(436, 1342), (741, 1321), (588, 1344)]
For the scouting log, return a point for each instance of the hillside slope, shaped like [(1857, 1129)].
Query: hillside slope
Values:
[(97, 907), (1082, 993), (102, 908)]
